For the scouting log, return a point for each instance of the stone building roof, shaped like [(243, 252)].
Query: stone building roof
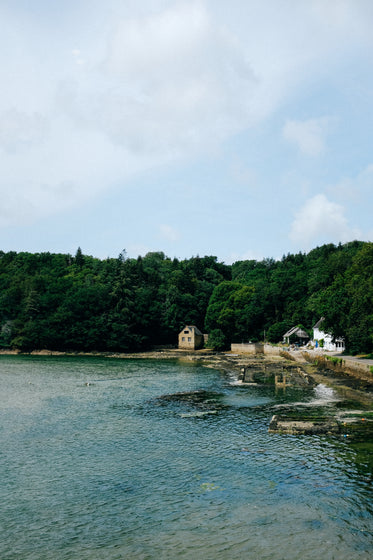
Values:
[(193, 328)]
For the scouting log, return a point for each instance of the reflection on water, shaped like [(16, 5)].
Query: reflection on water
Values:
[(106, 459)]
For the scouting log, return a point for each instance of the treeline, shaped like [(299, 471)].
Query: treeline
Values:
[(65, 302)]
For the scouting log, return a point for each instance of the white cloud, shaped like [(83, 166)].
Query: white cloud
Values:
[(170, 83), (56, 175), (321, 221), (77, 56), (343, 16), (242, 174), (169, 233), (158, 42), (309, 135), (161, 80), (19, 130), (354, 190)]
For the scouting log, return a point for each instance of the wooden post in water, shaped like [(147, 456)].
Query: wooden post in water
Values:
[(280, 383)]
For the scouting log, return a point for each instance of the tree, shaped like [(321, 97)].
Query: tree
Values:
[(359, 279), (79, 258), (82, 303), (217, 340), (276, 331)]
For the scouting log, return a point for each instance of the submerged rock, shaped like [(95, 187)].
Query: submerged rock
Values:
[(357, 425), (199, 398), (293, 426)]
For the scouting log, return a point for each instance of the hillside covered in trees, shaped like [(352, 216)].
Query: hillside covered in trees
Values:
[(64, 302)]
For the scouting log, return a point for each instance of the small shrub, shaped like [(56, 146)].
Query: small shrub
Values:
[(334, 360)]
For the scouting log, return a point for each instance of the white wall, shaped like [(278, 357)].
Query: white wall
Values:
[(337, 346)]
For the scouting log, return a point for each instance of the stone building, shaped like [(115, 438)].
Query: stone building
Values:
[(191, 338)]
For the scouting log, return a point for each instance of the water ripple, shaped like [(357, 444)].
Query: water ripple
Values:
[(162, 461)]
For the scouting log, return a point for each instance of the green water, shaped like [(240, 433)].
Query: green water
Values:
[(99, 459)]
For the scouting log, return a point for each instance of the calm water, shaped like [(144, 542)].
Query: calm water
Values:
[(94, 465)]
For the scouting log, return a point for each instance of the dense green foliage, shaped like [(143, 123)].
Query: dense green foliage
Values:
[(82, 303), (62, 302)]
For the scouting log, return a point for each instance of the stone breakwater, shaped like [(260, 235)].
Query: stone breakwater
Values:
[(356, 424)]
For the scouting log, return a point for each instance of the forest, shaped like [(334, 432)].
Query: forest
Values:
[(82, 303)]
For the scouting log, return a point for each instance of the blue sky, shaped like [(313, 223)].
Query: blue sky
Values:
[(240, 129)]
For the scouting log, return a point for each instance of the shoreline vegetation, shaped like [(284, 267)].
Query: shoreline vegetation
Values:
[(79, 303)]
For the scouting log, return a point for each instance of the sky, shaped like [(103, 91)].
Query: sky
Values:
[(241, 129)]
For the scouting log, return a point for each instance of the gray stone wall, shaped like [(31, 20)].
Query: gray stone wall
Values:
[(248, 348)]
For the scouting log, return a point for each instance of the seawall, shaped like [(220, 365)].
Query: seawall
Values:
[(339, 364)]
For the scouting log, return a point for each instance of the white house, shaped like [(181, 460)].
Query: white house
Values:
[(325, 340)]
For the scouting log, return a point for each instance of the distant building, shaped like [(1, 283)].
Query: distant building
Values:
[(296, 335), (191, 338), (325, 340)]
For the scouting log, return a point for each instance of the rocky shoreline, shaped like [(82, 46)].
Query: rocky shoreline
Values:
[(280, 371), (249, 368)]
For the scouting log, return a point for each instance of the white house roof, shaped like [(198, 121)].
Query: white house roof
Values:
[(319, 323), (326, 334)]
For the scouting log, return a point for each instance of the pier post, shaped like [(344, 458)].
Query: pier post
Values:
[(280, 382)]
